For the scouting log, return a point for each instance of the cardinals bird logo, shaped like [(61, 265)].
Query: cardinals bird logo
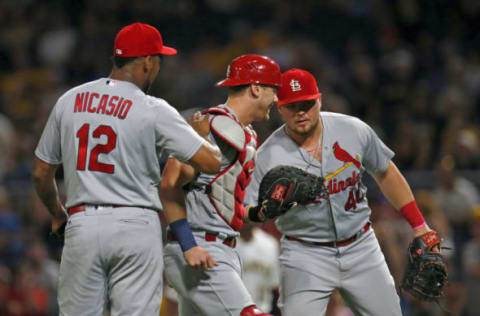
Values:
[(344, 156)]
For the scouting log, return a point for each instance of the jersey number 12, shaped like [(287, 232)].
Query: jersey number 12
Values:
[(93, 164)]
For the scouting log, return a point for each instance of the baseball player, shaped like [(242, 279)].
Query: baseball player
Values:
[(259, 253), (329, 244), (215, 203), (108, 134)]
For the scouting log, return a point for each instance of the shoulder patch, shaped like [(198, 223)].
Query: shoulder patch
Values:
[(229, 130)]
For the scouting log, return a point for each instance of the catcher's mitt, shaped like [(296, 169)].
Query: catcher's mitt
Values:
[(426, 271), (283, 187)]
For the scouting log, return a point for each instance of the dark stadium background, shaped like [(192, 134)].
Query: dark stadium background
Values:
[(409, 68)]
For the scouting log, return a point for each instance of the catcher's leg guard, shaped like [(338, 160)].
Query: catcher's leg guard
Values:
[(253, 310)]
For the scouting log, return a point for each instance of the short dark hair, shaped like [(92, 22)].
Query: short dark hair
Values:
[(237, 89), (119, 62)]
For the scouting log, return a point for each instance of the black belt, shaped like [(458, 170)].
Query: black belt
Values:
[(340, 243)]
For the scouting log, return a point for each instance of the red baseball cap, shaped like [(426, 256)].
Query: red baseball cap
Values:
[(138, 39), (297, 85)]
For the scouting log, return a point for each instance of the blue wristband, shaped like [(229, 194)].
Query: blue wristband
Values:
[(183, 233)]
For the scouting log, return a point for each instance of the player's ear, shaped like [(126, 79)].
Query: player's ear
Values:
[(147, 63), (281, 111), (255, 90), (319, 102)]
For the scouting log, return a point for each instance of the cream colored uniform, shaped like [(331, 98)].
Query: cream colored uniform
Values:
[(261, 273)]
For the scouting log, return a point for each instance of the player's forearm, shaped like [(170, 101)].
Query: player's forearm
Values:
[(394, 186), (172, 196), (48, 193), (397, 191), (207, 159), (46, 187), (173, 202)]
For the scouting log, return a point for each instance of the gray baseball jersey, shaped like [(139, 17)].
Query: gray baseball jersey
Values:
[(103, 132), (349, 148), (219, 290), (108, 135), (311, 272)]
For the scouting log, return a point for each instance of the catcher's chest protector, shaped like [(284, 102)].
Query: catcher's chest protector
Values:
[(228, 187)]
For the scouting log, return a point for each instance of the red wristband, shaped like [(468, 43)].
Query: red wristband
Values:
[(412, 214)]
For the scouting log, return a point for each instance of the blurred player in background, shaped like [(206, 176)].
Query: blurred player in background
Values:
[(201, 261), (107, 135), (329, 244), (259, 253)]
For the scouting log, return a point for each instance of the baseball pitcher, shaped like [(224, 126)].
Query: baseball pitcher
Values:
[(108, 135)]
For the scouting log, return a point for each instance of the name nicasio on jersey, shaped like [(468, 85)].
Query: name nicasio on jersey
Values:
[(111, 105)]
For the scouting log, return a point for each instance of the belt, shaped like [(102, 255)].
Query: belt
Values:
[(81, 207), (340, 243), (209, 236)]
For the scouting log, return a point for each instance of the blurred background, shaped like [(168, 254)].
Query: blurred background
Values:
[(409, 68)]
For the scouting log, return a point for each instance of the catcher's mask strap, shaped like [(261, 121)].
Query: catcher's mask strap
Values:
[(197, 186)]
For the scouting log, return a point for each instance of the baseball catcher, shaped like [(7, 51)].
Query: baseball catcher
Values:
[(282, 188), (426, 271)]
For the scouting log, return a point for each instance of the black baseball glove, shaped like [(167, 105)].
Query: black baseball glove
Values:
[(282, 188), (426, 271), (59, 234)]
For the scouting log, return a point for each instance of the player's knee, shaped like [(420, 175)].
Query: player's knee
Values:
[(253, 310)]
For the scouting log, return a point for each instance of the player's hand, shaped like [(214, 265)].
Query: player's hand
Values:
[(422, 231), (57, 223), (198, 257), (200, 123)]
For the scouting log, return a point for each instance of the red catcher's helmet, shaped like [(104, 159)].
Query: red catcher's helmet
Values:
[(248, 69)]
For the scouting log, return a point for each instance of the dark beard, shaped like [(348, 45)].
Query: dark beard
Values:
[(307, 132)]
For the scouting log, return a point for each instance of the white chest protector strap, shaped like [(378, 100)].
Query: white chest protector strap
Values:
[(227, 189), (229, 130)]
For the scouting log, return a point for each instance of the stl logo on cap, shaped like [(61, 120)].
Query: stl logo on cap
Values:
[(228, 71), (295, 85)]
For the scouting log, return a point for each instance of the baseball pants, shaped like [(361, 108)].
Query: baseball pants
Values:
[(310, 273), (111, 256), (218, 291)]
